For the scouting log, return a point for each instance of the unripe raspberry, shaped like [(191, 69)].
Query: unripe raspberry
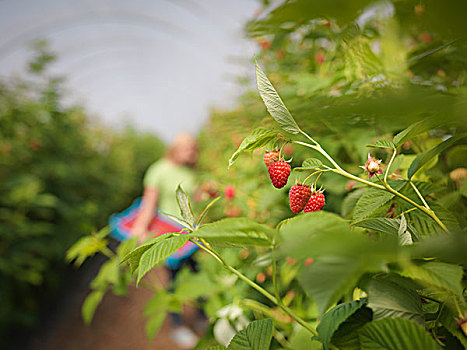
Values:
[(373, 166), (270, 157)]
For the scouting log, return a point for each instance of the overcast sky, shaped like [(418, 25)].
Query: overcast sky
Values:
[(157, 65)]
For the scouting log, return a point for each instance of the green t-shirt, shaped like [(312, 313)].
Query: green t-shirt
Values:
[(165, 176)]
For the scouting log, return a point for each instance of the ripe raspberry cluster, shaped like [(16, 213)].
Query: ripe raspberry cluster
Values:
[(302, 197)]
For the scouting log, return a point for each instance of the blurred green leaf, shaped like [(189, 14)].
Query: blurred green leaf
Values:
[(154, 324), (440, 275), (382, 144), (90, 304), (425, 157), (412, 131)]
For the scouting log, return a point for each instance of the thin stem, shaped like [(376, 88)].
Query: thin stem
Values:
[(457, 306), (419, 194), (317, 178), (386, 173), (252, 284), (427, 211), (274, 277), (107, 252), (318, 148), (430, 298), (407, 211), (308, 137), (306, 179), (436, 325), (340, 171)]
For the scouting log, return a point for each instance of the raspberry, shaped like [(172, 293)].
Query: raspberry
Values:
[(229, 192), (299, 195), (316, 202), (270, 157), (373, 166), (279, 173)]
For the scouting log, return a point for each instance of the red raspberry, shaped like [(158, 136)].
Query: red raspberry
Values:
[(316, 202), (229, 192), (299, 195), (270, 157), (279, 173)]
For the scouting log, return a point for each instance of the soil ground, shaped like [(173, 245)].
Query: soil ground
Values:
[(118, 324)]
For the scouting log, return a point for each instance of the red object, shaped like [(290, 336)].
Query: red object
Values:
[(320, 57), (279, 173), (298, 196), (270, 157), (309, 261), (315, 203), (229, 192)]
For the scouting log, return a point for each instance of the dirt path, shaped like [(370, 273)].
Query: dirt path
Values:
[(118, 325)]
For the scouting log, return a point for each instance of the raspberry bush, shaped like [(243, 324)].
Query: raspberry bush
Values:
[(382, 264)]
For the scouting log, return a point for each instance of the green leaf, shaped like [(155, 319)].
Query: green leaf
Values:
[(448, 317), (405, 237), (382, 144), (185, 207), (426, 226), (301, 340), (84, 248), (309, 164), (126, 247), (333, 319), (350, 201), (426, 156), (390, 299), (218, 347), (395, 334), (447, 248), (438, 274), (346, 337), (369, 202), (154, 323), (274, 104), (257, 336), (134, 256), (386, 225), (205, 211), (413, 130), (177, 219), (158, 252), (235, 231), (108, 274), (90, 304), (260, 137), (341, 256)]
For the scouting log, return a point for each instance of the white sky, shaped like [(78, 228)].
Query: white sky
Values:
[(158, 65)]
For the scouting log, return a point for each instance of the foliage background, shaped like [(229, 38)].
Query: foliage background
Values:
[(61, 176)]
